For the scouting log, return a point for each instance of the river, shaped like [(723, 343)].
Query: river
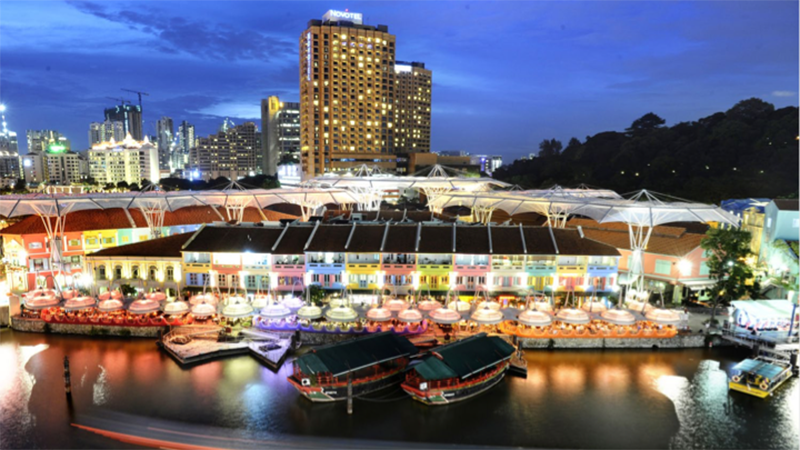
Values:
[(571, 399)]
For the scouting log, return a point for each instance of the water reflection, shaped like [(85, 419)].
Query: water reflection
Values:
[(608, 399)]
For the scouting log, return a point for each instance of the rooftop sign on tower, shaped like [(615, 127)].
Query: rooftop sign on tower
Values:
[(347, 16)]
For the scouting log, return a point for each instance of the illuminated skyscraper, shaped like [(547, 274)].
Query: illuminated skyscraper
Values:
[(413, 107), (232, 153), (166, 134), (9, 149), (131, 118), (280, 133), (347, 83), (40, 140), (106, 131)]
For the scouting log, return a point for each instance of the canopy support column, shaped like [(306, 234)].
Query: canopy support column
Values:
[(639, 236), (432, 193), (482, 214)]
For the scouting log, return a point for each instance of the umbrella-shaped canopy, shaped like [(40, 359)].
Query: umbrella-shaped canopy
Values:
[(67, 294), (663, 316), (459, 306), (542, 306), (638, 306), (429, 305), (534, 318), (203, 298), (573, 316), (293, 303), (176, 308), (275, 311), (487, 316), (341, 314), (618, 317), (260, 301), (411, 315), (42, 301), (115, 294), (40, 292), (144, 306), (79, 303), (309, 312), (203, 310), (157, 296), (395, 304), (379, 314), (237, 308), (594, 307), (493, 305), (110, 305), (445, 316)]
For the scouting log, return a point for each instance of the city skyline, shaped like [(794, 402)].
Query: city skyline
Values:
[(584, 68)]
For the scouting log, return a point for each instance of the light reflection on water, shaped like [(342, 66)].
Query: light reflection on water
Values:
[(603, 399)]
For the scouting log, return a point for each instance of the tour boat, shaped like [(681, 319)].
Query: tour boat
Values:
[(759, 377), (369, 363), (460, 370)]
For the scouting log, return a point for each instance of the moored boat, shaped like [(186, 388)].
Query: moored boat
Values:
[(759, 377), (369, 363), (460, 370)]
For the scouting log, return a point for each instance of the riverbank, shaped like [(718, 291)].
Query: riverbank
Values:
[(40, 326)]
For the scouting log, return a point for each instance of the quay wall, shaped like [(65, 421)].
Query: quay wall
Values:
[(40, 326), (4, 316), (680, 341)]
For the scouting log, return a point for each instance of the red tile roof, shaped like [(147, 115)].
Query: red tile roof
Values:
[(665, 240), (110, 219), (166, 247)]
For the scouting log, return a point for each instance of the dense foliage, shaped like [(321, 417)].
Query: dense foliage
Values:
[(728, 251), (751, 150)]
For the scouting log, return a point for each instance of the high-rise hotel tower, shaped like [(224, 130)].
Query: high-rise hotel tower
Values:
[(413, 108), (347, 84)]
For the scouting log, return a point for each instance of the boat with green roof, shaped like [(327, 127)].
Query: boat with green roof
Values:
[(759, 377), (459, 370)]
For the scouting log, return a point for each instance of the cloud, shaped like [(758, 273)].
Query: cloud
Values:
[(784, 94), (203, 39)]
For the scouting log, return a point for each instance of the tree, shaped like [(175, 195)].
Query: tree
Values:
[(727, 251), (127, 290), (647, 122), (550, 148), (271, 182), (122, 184), (749, 110), (20, 186), (315, 294)]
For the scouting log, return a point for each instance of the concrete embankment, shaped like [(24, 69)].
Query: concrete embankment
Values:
[(40, 326), (680, 341)]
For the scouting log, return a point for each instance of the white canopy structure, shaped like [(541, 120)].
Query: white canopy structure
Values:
[(372, 184)]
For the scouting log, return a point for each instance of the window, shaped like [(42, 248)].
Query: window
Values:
[(704, 268), (101, 273), (135, 272), (74, 243), (170, 273), (192, 280), (151, 273), (235, 281), (108, 240), (663, 267), (250, 281), (35, 245), (795, 223), (117, 272), (222, 280)]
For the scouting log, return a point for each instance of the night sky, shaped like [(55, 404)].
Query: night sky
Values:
[(506, 75)]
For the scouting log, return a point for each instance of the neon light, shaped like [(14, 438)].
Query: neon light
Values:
[(56, 148)]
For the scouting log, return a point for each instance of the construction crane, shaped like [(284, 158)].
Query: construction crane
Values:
[(121, 101), (139, 93)]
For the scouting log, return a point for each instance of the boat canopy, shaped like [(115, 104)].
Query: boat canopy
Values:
[(341, 314), (464, 358), (345, 357), (761, 368)]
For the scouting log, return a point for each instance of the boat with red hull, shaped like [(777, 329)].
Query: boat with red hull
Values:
[(369, 363), (460, 370)]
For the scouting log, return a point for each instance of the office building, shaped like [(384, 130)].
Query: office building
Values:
[(41, 140), (186, 138), (130, 161), (347, 83), (413, 107), (280, 133), (106, 131), (131, 118), (232, 153), (487, 163), (164, 139)]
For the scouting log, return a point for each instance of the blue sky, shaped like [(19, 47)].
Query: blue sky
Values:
[(506, 74)]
